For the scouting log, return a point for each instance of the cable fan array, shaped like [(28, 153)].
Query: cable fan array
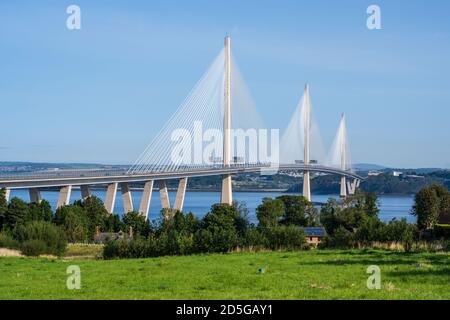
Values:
[(192, 137)]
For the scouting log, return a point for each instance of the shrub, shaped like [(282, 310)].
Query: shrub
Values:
[(176, 243), (216, 239), (110, 250), (342, 238), (6, 241), (218, 229), (253, 238), (53, 236), (442, 231), (139, 248), (34, 247), (285, 237)]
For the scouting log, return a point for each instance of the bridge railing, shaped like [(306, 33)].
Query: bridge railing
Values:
[(75, 173)]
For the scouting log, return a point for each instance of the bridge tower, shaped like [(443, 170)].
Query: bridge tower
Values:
[(226, 195), (343, 150), (306, 128)]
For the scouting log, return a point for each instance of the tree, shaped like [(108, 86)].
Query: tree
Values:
[(328, 215), (270, 212), (75, 222), (371, 204), (17, 212), (177, 234), (218, 231), (3, 206), (426, 207), (298, 211), (137, 222), (367, 201), (40, 211), (96, 213)]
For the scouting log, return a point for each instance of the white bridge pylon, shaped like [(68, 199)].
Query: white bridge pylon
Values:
[(303, 131)]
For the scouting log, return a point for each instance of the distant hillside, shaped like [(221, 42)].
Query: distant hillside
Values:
[(368, 166)]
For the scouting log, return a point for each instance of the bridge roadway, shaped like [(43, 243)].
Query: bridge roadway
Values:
[(60, 178)]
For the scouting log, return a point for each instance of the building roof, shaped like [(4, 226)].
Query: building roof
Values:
[(315, 232)]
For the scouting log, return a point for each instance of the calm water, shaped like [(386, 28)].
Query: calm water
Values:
[(200, 202)]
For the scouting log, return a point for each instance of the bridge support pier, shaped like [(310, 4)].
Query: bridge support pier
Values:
[(64, 196), (343, 192), (306, 186), (85, 191), (164, 194), (110, 199), (226, 197), (35, 195), (144, 205), (181, 192), (352, 186), (126, 197), (7, 194)]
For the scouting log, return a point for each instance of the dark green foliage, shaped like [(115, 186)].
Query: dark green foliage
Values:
[(442, 231), (285, 237), (3, 207), (16, 214), (355, 221), (96, 213), (429, 204), (387, 183), (140, 227), (113, 223), (53, 237), (296, 210), (254, 237), (342, 238), (270, 212), (139, 248), (34, 247), (218, 229), (75, 222), (7, 241), (40, 211)]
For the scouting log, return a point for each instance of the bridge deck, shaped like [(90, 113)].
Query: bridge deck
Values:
[(58, 178)]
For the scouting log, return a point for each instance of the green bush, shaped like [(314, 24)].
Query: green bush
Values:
[(176, 243), (139, 248), (342, 238), (285, 237), (218, 229), (216, 239), (442, 231), (6, 241), (253, 238), (34, 247), (53, 236), (111, 250)]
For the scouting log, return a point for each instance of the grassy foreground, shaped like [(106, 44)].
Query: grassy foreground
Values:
[(324, 274)]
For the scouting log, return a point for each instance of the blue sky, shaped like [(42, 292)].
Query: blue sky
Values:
[(101, 93)]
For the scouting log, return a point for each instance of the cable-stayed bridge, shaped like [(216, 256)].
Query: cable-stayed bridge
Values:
[(215, 131)]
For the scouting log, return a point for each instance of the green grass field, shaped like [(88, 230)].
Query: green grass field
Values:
[(324, 274)]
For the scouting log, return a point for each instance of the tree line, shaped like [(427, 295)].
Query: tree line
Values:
[(354, 221)]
